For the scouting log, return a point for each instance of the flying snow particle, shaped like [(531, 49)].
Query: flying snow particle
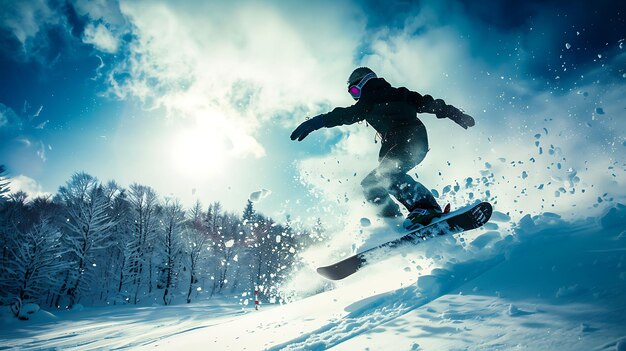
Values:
[(198, 289), (229, 243), (259, 195), (365, 222), (278, 239), (568, 46), (236, 258)]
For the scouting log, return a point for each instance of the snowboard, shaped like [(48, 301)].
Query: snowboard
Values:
[(462, 220)]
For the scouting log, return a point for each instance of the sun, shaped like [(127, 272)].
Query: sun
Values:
[(198, 152)]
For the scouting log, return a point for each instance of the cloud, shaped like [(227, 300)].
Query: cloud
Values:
[(28, 185), (229, 70), (228, 59), (102, 11), (46, 32), (25, 18), (101, 37), (9, 120), (229, 78), (4, 120)]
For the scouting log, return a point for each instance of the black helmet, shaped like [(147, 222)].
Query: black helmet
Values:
[(357, 81), (358, 74)]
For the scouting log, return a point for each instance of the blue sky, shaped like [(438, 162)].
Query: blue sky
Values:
[(197, 99)]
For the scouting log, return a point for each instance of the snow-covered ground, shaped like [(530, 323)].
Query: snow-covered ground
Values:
[(540, 284)]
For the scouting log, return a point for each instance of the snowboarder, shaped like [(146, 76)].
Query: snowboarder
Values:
[(404, 143)]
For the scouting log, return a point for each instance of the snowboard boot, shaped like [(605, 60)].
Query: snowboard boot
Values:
[(421, 217)]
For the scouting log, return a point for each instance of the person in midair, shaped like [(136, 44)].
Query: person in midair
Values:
[(392, 112)]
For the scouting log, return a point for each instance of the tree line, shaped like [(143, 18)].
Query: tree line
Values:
[(98, 243)]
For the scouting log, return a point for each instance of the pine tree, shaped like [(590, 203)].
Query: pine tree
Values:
[(248, 213)]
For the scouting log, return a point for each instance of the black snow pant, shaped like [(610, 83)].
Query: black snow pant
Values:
[(400, 152)]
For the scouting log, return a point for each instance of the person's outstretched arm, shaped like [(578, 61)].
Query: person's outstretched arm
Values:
[(336, 117), (427, 104)]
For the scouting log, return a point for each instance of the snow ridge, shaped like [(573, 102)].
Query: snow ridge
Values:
[(375, 314)]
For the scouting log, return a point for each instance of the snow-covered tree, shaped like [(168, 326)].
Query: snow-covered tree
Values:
[(248, 212), (171, 245), (4, 184), (196, 241), (224, 233), (35, 264), (144, 208), (88, 225), (112, 263), (130, 242), (13, 220), (122, 250)]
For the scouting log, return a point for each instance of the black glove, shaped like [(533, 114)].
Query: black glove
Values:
[(461, 119), (307, 127)]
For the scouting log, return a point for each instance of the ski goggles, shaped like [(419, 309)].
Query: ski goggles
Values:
[(355, 89)]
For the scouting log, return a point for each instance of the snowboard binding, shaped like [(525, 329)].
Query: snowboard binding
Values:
[(421, 217)]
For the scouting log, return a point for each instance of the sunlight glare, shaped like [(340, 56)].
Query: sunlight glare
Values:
[(198, 152)]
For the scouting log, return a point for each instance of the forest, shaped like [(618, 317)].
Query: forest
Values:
[(96, 243)]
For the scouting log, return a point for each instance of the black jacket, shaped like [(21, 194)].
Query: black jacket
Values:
[(387, 109)]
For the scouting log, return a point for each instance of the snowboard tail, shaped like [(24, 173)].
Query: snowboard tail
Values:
[(454, 222)]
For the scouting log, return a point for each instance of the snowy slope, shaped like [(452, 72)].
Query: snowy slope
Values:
[(544, 284), (550, 285)]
